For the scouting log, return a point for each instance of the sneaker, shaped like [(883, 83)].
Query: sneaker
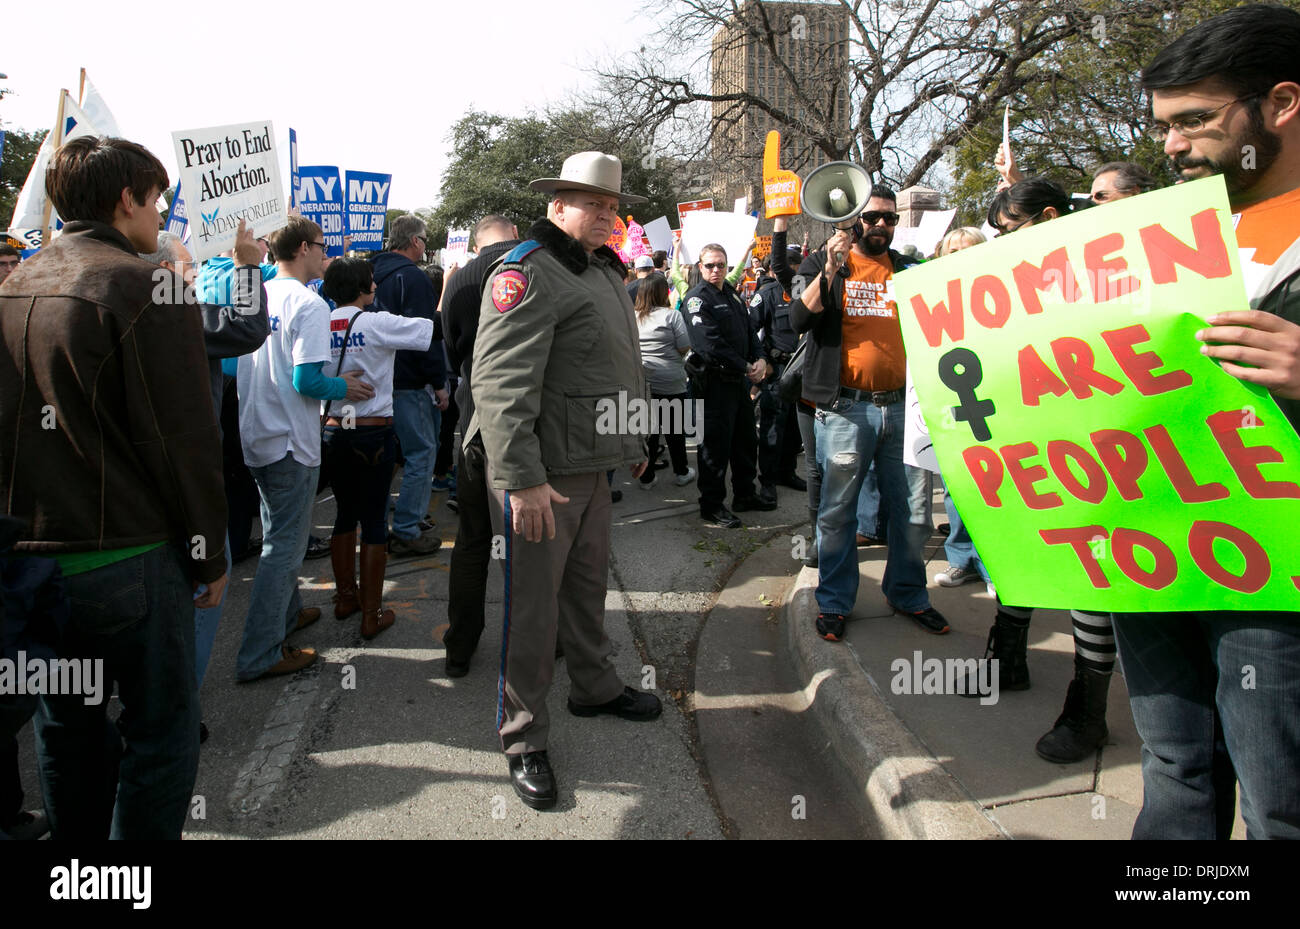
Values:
[(427, 524), (646, 485), (316, 548), (955, 577), (681, 480), (426, 543), (830, 626), (722, 518), (447, 482), (929, 619), (453, 504)]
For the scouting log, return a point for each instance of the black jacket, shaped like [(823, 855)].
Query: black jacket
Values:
[(720, 328), (821, 370), (461, 300), (405, 290), (770, 311)]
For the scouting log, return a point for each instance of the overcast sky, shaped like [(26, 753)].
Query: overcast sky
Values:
[(367, 86)]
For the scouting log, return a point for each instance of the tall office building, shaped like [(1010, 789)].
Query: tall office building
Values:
[(811, 55)]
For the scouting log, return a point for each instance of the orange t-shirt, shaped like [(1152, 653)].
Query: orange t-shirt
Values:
[(1264, 232), (871, 354)]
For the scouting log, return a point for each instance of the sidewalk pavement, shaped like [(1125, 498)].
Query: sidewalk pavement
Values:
[(945, 766)]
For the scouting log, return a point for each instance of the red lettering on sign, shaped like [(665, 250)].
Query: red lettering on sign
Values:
[(1138, 366), (1161, 576), (985, 286), (1200, 542), (1026, 477), (338, 325), (1188, 490), (1164, 251), (1103, 265), (1079, 368), (1036, 378), (1079, 539), (1124, 457), (1246, 459), (986, 468), (944, 318), (1059, 453), (1055, 270)]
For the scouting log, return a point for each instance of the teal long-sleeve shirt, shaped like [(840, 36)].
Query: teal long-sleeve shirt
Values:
[(310, 381)]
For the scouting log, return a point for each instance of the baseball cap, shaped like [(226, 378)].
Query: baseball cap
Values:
[(644, 263)]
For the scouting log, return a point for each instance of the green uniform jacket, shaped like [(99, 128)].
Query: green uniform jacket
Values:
[(557, 356)]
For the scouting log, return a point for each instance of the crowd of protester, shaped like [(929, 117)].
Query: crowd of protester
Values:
[(337, 375)]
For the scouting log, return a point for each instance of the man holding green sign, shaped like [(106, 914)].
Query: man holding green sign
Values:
[(1110, 452)]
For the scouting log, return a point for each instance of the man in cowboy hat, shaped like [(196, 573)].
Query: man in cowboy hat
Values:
[(557, 345)]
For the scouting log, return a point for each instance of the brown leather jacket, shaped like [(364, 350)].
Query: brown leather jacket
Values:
[(107, 434)]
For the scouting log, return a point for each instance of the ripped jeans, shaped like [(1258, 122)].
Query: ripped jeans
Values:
[(850, 436)]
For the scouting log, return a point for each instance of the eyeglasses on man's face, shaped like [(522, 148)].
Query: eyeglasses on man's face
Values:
[(1190, 125), (875, 216), (714, 266), (321, 245)]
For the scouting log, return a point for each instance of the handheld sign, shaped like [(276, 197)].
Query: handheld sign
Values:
[(293, 167), (457, 251), (320, 199), (367, 205), (780, 188), (692, 206), (229, 173), (1099, 459)]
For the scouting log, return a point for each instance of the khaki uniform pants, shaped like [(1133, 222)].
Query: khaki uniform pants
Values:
[(554, 588)]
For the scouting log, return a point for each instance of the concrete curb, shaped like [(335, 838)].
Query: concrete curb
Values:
[(906, 788)]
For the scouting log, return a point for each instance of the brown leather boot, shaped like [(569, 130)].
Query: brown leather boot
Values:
[(374, 618), (343, 557)]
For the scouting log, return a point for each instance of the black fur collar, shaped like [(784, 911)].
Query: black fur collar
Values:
[(568, 250)]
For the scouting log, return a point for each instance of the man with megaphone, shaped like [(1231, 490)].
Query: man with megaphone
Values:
[(855, 373)]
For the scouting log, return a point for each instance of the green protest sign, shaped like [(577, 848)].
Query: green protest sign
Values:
[(1099, 459)]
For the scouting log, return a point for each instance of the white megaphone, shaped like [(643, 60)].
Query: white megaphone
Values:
[(836, 193)]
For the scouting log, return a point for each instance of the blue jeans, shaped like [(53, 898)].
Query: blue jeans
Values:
[(417, 421), (136, 616), (869, 506), (958, 547), (206, 623), (849, 441), (1212, 693), (288, 489)]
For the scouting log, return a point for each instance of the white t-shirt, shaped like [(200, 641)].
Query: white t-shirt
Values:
[(274, 419), (375, 337)]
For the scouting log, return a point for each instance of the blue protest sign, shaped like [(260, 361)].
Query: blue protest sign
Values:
[(178, 218), (319, 195), (293, 167), (367, 202)]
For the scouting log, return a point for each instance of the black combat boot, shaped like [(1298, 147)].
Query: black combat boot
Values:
[(1081, 728), (1008, 641)]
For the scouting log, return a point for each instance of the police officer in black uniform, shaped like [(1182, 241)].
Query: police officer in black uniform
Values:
[(730, 360), (778, 431)]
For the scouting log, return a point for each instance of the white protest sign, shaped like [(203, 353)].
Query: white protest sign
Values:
[(918, 450), (660, 234), (934, 225), (733, 231), (229, 173), (457, 250), (741, 205)]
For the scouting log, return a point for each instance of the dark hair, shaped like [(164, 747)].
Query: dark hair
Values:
[(7, 249), (884, 193), (346, 279), (286, 241), (87, 176), (1130, 178), (436, 275), (1248, 50), (660, 259), (1030, 197), (651, 295)]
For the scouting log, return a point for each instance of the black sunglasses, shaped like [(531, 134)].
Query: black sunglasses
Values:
[(713, 266), (875, 216)]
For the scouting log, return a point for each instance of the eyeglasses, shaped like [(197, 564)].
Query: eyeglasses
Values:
[(714, 266), (321, 245), (1191, 125), (1024, 222), (875, 216)]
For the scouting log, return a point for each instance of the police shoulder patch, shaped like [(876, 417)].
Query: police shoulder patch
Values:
[(758, 299), (508, 289), (693, 306)]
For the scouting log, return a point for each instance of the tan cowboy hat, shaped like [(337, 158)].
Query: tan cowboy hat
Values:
[(592, 171)]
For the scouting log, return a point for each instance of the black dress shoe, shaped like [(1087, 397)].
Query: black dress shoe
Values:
[(635, 705), (533, 779), (752, 502), (794, 482), (203, 733), (722, 518), (316, 548), (615, 496), (456, 668)]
